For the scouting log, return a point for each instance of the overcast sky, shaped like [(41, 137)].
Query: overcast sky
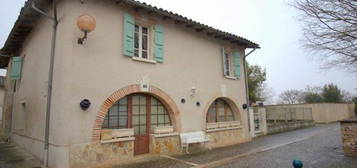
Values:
[(270, 23)]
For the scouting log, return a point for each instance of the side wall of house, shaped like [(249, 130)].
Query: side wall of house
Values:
[(26, 97)]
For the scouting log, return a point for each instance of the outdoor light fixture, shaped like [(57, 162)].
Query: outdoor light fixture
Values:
[(86, 24)]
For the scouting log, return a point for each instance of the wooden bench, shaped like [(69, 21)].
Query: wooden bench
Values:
[(192, 137)]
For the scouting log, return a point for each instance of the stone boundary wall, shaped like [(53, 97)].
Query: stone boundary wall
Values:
[(349, 136), (324, 112), (288, 126)]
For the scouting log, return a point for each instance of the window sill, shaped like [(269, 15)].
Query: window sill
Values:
[(165, 135), (144, 60), (231, 77), (118, 140), (224, 129)]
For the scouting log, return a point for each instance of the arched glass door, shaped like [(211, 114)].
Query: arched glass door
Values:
[(139, 111)]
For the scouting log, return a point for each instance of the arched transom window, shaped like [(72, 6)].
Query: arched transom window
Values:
[(220, 111), (139, 111)]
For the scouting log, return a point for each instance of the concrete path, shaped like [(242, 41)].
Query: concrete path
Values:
[(12, 156), (318, 147)]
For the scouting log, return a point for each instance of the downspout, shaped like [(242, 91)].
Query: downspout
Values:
[(50, 76), (246, 85)]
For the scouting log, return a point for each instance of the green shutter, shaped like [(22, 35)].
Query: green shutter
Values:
[(236, 58), (129, 28), (16, 67), (159, 43)]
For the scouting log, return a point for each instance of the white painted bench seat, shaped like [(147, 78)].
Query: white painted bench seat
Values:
[(192, 137)]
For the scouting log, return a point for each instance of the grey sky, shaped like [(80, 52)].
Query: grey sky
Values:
[(270, 23)]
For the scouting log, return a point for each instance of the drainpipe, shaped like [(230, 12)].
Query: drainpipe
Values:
[(50, 76), (246, 84)]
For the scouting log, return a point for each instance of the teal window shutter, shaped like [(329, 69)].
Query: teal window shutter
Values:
[(129, 28), (159, 43), (236, 58), (16, 68)]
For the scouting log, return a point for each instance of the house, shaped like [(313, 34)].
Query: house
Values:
[(140, 79)]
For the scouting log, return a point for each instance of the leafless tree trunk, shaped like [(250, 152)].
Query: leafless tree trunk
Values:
[(330, 31)]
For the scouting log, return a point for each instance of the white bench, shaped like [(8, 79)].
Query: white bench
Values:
[(192, 137)]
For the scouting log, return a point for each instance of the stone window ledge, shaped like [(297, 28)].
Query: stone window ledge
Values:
[(144, 60), (165, 135), (118, 140), (231, 77), (224, 129)]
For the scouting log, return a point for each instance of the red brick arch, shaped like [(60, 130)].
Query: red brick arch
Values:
[(169, 104)]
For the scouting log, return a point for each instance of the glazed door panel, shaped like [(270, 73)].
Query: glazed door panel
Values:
[(140, 123)]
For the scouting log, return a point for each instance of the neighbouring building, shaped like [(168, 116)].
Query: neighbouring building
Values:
[(2, 95), (148, 73)]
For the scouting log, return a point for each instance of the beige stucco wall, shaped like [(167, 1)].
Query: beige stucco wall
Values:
[(2, 95), (98, 68), (326, 112)]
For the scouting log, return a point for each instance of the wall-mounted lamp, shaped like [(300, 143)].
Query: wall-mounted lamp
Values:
[(86, 24)]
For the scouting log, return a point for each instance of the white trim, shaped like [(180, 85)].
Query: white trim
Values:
[(165, 135), (231, 77), (144, 60), (224, 129), (118, 140)]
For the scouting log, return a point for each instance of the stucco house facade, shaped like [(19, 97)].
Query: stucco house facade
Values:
[(148, 74)]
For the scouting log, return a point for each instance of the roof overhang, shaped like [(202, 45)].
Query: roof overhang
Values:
[(29, 17)]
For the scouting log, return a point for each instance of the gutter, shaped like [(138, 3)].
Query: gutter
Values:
[(246, 84)]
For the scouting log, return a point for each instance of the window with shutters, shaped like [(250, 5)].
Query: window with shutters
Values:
[(231, 63), (141, 42), (228, 64)]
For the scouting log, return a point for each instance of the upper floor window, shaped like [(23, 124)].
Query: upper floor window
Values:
[(143, 41), (141, 48), (231, 63)]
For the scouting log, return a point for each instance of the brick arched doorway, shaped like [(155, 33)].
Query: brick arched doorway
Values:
[(153, 91)]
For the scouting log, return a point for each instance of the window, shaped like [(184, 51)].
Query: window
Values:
[(220, 111), (146, 113), (227, 63), (231, 63), (117, 117), (159, 115), (141, 41)]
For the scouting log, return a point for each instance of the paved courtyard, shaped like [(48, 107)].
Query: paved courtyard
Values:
[(317, 147)]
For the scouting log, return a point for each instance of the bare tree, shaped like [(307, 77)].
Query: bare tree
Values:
[(330, 31), (292, 96)]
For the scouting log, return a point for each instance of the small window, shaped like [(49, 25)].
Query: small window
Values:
[(220, 111), (141, 42), (227, 64), (228, 67)]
